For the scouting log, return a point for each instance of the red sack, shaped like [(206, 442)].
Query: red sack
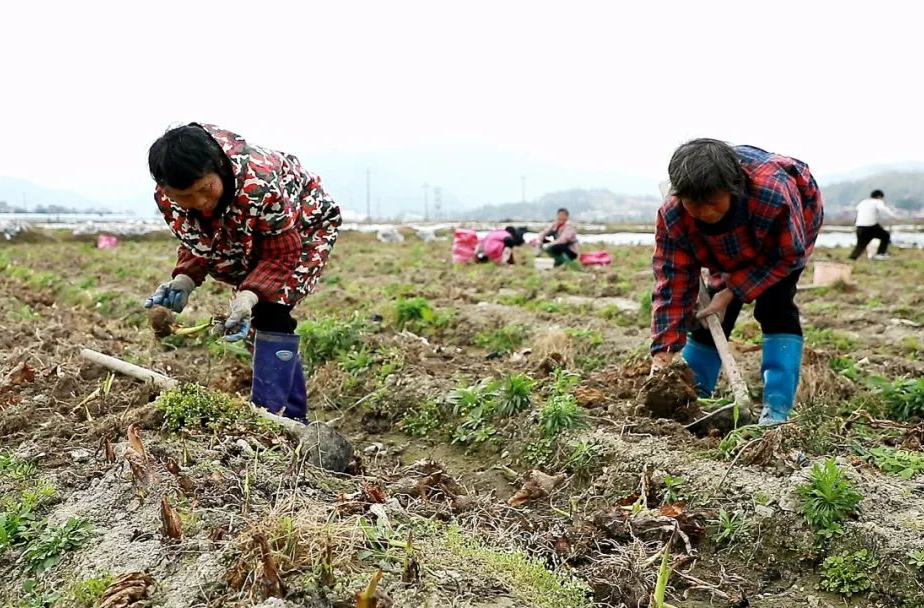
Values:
[(596, 258), (464, 242)]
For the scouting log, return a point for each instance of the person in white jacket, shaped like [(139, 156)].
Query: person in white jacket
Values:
[(870, 212)]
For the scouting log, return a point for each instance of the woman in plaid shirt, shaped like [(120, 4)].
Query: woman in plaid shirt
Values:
[(253, 218), (751, 217)]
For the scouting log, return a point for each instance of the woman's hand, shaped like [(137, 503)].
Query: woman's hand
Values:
[(173, 295), (237, 325), (717, 305)]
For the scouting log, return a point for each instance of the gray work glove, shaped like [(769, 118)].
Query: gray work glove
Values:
[(173, 295), (237, 325)]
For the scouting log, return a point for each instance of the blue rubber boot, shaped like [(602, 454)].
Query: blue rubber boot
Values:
[(780, 370), (297, 405), (705, 363), (275, 359)]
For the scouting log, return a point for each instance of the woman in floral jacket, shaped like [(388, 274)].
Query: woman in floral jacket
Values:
[(255, 219)]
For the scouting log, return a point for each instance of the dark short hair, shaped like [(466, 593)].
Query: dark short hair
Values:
[(563, 210), (876, 194), (701, 168), (183, 155)]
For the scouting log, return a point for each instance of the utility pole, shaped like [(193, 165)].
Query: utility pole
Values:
[(426, 189), (523, 188), (378, 208), (437, 202), (368, 197)]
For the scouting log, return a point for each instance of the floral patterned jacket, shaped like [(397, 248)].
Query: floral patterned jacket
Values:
[(275, 235)]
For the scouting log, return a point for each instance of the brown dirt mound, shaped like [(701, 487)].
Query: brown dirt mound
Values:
[(669, 393)]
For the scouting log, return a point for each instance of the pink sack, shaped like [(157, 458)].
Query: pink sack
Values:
[(464, 243), (106, 241), (596, 258)]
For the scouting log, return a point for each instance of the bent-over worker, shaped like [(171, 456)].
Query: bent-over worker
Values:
[(255, 219), (751, 217)]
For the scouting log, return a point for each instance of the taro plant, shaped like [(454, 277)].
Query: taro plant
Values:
[(828, 499), (848, 573)]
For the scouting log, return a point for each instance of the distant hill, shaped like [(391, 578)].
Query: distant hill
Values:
[(903, 190), (23, 195), (598, 205)]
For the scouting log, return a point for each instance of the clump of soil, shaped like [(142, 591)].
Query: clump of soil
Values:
[(669, 393), (161, 319)]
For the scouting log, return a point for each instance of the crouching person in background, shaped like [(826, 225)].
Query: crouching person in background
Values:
[(751, 218), (560, 240), (255, 219), (498, 245)]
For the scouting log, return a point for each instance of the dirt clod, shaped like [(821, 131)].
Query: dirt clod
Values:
[(669, 393)]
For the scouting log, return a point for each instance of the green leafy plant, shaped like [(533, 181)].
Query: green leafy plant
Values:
[(46, 550), (19, 519), (415, 312), (86, 593), (513, 393), (191, 405), (592, 338), (848, 573), (731, 527), (904, 399), (828, 498), (503, 340), (328, 337), (904, 463), (33, 597), (563, 381), (357, 361), (422, 419), (673, 489), (582, 453), (916, 558), (846, 367), (560, 413), (15, 467), (539, 452)]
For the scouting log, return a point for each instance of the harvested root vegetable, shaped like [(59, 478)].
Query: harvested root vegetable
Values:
[(162, 319), (537, 485), (126, 590), (163, 323)]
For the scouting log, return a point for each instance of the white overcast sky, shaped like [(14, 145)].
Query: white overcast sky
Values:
[(87, 86)]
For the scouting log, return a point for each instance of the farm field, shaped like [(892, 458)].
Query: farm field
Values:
[(502, 459)]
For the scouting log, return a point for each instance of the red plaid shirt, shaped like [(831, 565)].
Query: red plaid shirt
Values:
[(760, 241), (275, 235)]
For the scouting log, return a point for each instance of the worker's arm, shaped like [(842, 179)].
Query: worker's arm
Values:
[(676, 274), (566, 235), (778, 224), (277, 249), (886, 210)]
